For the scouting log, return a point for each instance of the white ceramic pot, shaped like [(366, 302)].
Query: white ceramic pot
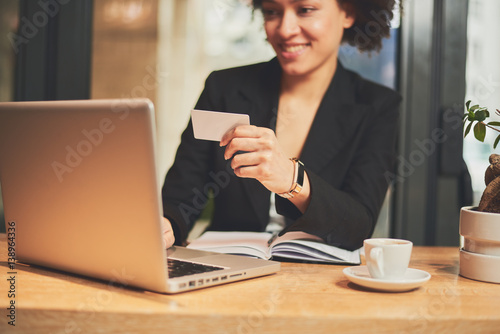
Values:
[(480, 255), (480, 267), (480, 230)]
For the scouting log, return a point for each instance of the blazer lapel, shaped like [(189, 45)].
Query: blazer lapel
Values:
[(335, 123)]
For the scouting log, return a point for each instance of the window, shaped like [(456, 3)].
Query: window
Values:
[(483, 83)]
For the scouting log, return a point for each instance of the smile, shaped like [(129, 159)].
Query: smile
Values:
[(294, 48), (292, 51)]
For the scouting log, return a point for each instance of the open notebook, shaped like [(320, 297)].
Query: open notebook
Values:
[(292, 245)]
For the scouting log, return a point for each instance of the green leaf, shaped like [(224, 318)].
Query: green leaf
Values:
[(480, 131), (480, 115), (467, 104), (496, 142), (471, 117), (468, 129), (495, 123), (474, 107)]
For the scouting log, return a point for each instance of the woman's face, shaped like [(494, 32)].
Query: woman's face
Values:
[(305, 34)]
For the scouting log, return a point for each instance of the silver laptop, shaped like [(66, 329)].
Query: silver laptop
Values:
[(79, 182)]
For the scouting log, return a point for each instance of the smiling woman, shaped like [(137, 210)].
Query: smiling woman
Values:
[(322, 138)]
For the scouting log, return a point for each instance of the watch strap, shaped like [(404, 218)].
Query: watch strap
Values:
[(298, 180)]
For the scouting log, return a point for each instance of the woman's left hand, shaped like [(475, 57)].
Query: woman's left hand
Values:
[(256, 153), (167, 232)]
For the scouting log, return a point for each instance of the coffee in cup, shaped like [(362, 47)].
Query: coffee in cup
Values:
[(387, 258)]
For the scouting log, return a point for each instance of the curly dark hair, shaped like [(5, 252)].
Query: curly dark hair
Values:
[(373, 22)]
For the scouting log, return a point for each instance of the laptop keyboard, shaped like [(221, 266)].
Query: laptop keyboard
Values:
[(178, 268)]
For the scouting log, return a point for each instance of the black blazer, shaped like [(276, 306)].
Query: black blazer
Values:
[(347, 155)]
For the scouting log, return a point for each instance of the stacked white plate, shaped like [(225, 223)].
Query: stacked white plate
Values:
[(480, 249)]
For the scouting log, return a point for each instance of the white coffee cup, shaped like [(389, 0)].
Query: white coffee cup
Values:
[(387, 258)]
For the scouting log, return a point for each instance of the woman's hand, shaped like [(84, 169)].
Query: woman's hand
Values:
[(256, 153), (167, 232)]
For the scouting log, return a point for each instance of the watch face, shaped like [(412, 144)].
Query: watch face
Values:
[(300, 175)]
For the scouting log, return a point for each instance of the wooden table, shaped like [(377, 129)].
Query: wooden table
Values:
[(301, 298)]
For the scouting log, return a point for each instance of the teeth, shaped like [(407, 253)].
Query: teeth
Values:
[(294, 48)]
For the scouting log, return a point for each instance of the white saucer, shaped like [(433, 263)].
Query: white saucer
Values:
[(412, 279)]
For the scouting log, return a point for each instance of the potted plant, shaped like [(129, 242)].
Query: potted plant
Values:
[(480, 226), (490, 200)]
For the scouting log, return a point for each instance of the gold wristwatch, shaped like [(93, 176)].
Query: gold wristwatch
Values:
[(298, 179)]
